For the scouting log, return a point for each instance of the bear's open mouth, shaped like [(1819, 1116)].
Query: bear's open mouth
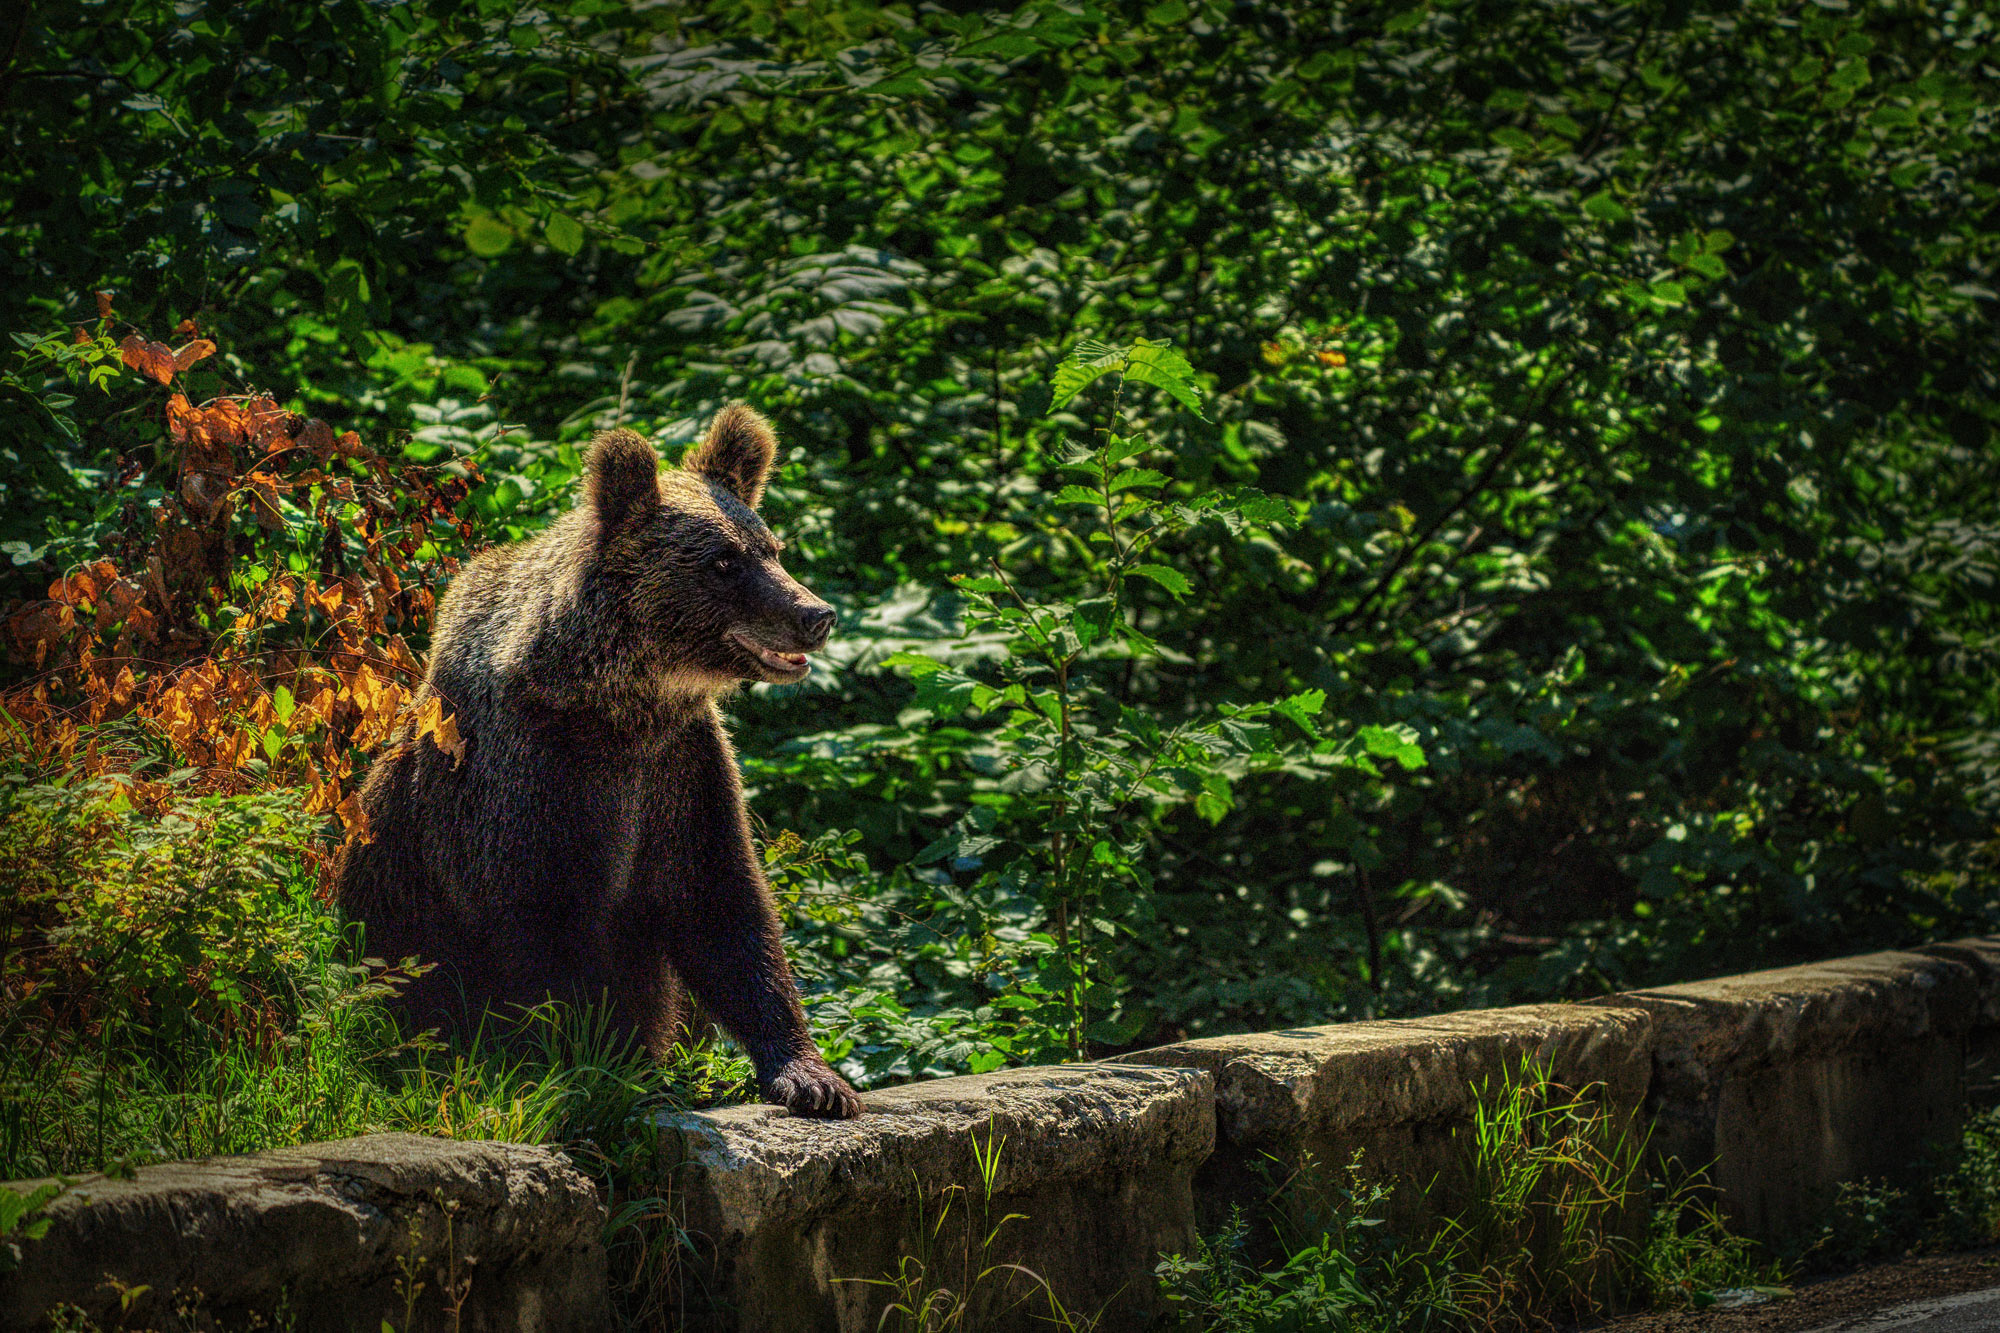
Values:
[(788, 666)]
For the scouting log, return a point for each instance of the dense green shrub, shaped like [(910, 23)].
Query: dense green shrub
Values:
[(1623, 373), (174, 987)]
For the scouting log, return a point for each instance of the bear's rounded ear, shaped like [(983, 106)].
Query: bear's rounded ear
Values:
[(737, 455), (623, 477)]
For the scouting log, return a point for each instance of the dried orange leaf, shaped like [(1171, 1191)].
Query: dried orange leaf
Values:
[(264, 502), (442, 728), (155, 360), (85, 584), (104, 305), (116, 602), (266, 422), (317, 436), (182, 417), (37, 627), (226, 421), (198, 350)]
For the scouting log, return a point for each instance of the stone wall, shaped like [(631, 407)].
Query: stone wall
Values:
[(1097, 1162), (319, 1238), (1788, 1081)]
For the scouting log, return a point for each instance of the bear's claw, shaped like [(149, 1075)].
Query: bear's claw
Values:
[(811, 1088)]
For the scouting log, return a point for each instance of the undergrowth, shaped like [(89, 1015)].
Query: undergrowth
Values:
[(1555, 1225), (172, 985), (175, 987), (1954, 1206), (1341, 1271)]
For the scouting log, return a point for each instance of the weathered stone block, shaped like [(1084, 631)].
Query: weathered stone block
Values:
[(795, 1217), (321, 1236), (1793, 1080), (1396, 1091)]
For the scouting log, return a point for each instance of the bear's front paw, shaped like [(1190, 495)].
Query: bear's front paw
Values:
[(810, 1087)]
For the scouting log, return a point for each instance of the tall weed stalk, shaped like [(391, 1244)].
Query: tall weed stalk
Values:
[(1555, 1193), (953, 1281)]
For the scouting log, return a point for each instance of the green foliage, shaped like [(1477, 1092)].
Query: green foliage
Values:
[(1345, 1276), (1954, 1204), (955, 1279), (171, 926), (1552, 1199), (1599, 437), (21, 1219), (1036, 690), (177, 989), (1692, 1259)]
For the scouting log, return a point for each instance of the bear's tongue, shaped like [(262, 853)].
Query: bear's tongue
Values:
[(772, 657)]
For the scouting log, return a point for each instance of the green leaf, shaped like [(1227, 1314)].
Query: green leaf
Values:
[(1605, 207), (487, 236), (1169, 578), (564, 233), (1121, 449), (917, 664), (1162, 365), (1398, 743), (1115, 1031), (346, 287), (905, 84), (1302, 709), (1087, 363), (1093, 619), (1002, 46)]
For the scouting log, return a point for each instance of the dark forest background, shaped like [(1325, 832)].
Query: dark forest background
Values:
[(1554, 552)]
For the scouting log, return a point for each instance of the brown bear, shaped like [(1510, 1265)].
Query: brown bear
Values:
[(590, 841)]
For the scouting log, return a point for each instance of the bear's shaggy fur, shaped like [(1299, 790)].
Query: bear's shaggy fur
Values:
[(592, 842)]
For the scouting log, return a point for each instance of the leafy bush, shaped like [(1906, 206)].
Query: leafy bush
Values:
[(1036, 695), (1691, 1258), (1616, 384), (1342, 1275), (1953, 1204), (175, 988)]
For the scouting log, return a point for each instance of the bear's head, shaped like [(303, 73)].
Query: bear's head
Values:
[(694, 569)]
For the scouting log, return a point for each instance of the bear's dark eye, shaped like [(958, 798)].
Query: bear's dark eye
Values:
[(722, 564)]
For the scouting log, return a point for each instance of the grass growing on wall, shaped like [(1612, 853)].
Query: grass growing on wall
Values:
[(1558, 1225)]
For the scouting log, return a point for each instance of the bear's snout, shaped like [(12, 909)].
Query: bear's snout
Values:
[(815, 625)]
